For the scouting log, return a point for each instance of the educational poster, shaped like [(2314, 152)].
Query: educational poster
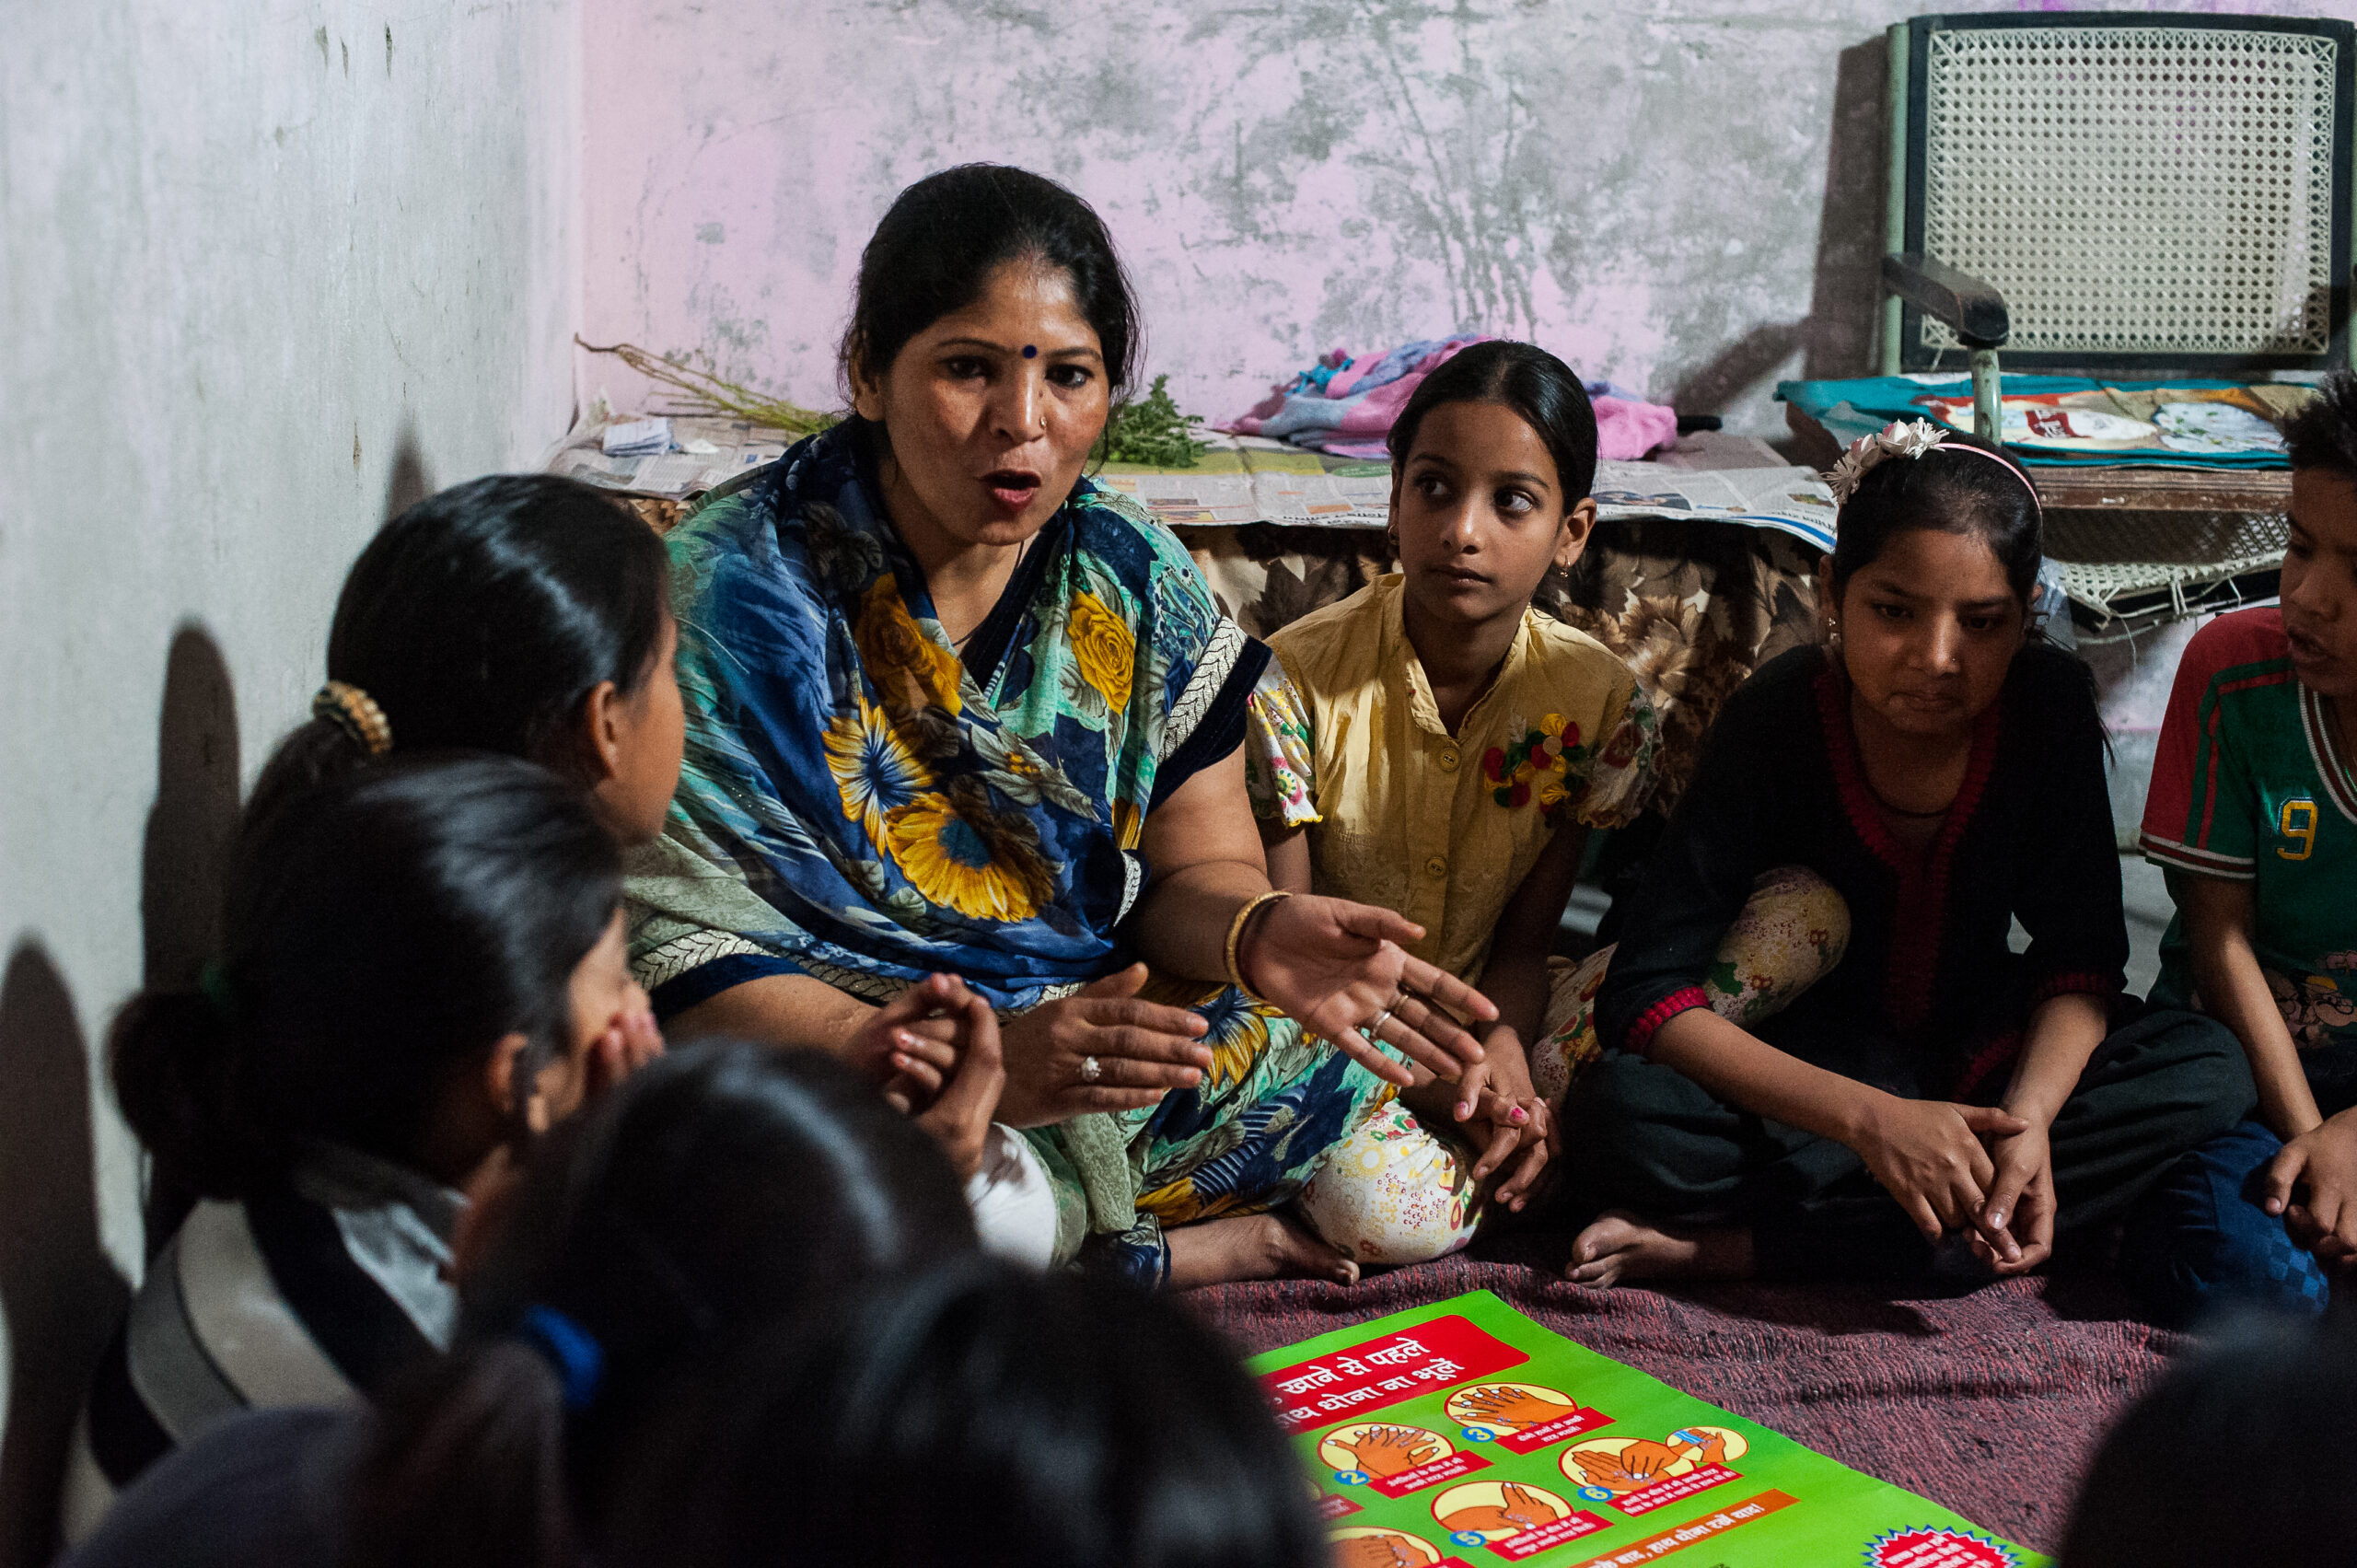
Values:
[(1465, 1435)]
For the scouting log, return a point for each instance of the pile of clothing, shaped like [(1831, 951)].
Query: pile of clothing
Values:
[(1345, 405)]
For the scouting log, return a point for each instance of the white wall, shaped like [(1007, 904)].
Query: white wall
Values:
[(264, 268)]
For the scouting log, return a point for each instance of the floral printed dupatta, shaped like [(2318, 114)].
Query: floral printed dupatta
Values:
[(860, 804)]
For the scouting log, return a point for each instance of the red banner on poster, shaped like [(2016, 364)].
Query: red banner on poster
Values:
[(1385, 1371)]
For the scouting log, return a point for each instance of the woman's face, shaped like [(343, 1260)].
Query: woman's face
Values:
[(1929, 630), (602, 994), (650, 734), (990, 413), (1479, 515)]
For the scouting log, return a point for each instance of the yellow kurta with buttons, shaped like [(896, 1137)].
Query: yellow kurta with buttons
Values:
[(1402, 813)]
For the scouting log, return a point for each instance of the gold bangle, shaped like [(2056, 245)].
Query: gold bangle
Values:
[(1235, 936)]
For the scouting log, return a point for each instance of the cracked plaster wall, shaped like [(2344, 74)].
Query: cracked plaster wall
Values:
[(265, 270), (1684, 196)]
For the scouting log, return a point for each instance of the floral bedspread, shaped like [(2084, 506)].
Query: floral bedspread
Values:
[(1694, 607)]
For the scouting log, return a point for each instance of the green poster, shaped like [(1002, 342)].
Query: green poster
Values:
[(1464, 1435)]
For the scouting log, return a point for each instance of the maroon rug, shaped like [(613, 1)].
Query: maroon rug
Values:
[(1990, 1403)]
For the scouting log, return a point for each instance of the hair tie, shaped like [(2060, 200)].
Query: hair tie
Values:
[(357, 714), (571, 1350), (1911, 439)]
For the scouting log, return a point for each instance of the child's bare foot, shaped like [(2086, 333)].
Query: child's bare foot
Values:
[(1619, 1247), (1253, 1247)]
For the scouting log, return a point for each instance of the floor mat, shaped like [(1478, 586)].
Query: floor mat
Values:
[(1990, 1403)]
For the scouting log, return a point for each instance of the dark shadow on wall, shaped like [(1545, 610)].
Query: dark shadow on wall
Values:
[(1846, 297), (59, 1292), (1837, 337), (184, 860), (409, 482)]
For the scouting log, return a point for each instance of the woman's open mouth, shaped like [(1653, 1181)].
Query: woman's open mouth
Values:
[(1011, 490)]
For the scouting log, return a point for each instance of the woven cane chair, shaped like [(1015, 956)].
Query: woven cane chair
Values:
[(2132, 195)]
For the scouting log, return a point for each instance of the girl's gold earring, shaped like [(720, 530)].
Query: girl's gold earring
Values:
[(1832, 632)]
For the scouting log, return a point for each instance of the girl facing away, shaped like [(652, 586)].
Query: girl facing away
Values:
[(723, 1186), (530, 615), (1769, 1105), (974, 1415), (423, 962), (1433, 745)]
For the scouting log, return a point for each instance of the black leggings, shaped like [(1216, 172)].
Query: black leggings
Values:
[(1641, 1136)]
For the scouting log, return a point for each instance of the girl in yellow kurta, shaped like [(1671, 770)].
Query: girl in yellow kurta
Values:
[(1433, 745)]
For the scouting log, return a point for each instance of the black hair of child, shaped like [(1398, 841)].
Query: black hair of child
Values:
[(942, 239), (1951, 492), (980, 1414), (482, 617), (2323, 434), (1544, 390), (721, 1186), (2244, 1452), (383, 930)]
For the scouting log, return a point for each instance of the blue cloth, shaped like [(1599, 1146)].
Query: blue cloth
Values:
[(2199, 1242), (1850, 409)]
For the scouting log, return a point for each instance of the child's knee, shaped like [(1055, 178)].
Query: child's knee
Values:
[(1392, 1193), (1793, 931), (2199, 1241)]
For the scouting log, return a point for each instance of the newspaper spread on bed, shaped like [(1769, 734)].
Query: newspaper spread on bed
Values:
[(1245, 479)]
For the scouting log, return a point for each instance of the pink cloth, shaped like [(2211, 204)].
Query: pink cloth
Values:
[(1326, 409)]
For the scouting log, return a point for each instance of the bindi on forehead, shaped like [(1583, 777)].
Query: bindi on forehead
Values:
[(1030, 351)]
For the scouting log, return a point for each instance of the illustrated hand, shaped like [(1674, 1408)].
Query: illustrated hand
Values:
[(1374, 1551), (2016, 1230), (1337, 966), (1387, 1450), (959, 1118), (909, 1045), (1638, 1465), (1515, 1407), (2324, 1160), (630, 1042), (1927, 1153), (1142, 1052)]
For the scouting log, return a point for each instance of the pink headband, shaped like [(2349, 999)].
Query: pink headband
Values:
[(1911, 439)]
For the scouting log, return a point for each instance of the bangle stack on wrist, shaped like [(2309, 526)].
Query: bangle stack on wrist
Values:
[(1235, 939)]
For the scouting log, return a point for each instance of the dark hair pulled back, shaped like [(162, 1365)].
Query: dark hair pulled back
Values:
[(1949, 491), (382, 931), (942, 239), (482, 617), (2323, 434), (724, 1185), (1544, 391), (981, 1414)]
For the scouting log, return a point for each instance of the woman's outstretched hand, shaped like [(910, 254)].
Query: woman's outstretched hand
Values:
[(1340, 966), (1141, 1051)]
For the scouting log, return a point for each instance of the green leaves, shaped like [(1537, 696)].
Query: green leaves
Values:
[(1151, 430)]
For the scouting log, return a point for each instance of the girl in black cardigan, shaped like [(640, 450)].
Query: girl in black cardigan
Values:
[(1942, 771)]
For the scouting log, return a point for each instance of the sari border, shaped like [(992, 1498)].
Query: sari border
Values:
[(1203, 687)]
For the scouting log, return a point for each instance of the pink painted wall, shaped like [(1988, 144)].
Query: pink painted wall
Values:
[(1685, 198)]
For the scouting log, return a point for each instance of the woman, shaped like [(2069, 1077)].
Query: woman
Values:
[(951, 707)]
